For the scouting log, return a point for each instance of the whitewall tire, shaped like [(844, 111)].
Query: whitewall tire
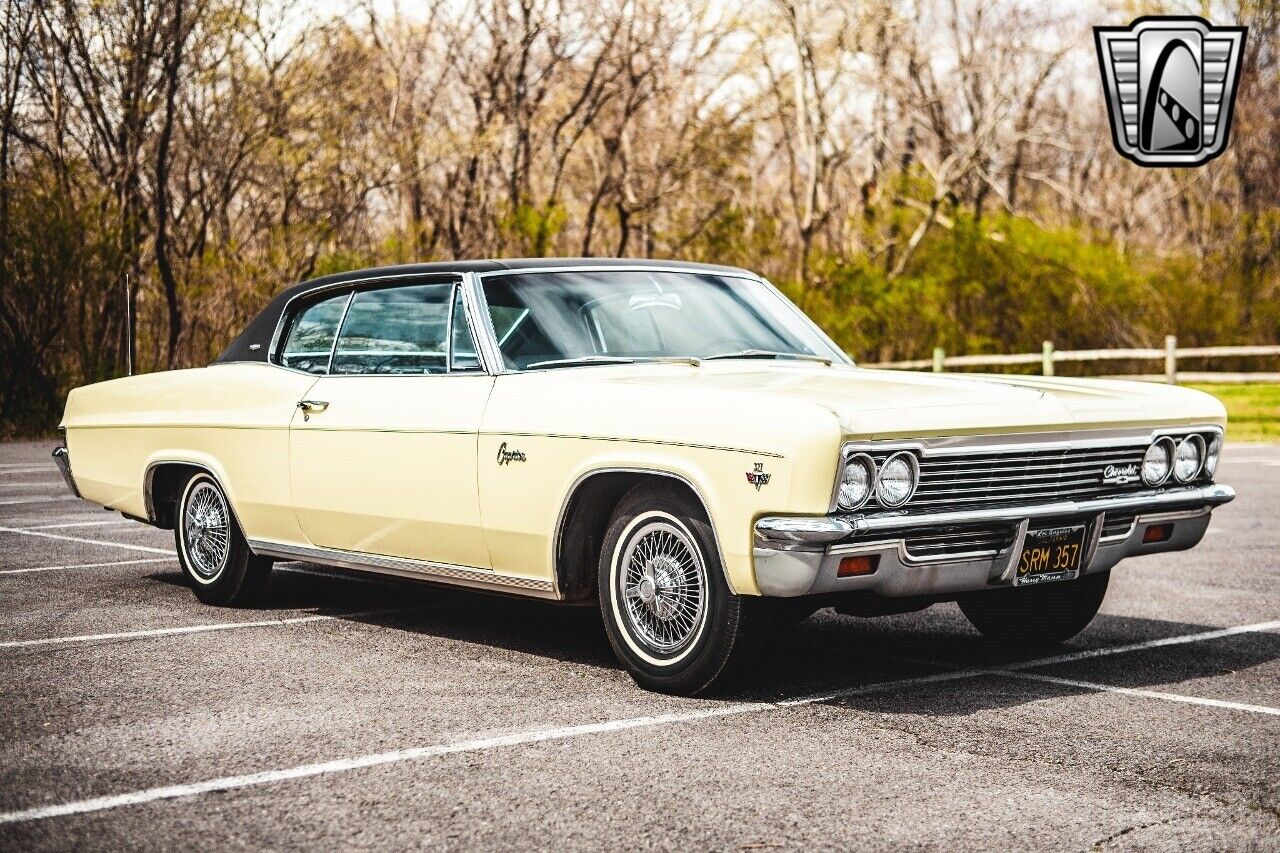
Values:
[(668, 611), (211, 547)]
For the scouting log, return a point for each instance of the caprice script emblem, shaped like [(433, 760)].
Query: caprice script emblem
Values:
[(758, 477), (1170, 83), (1120, 475), (506, 457)]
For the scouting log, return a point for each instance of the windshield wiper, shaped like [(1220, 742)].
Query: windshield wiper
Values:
[(587, 360), (581, 360), (764, 353)]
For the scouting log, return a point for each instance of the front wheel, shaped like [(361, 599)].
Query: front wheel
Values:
[(212, 549), (1044, 614), (669, 614)]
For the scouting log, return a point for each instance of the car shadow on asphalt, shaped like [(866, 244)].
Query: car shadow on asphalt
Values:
[(826, 654)]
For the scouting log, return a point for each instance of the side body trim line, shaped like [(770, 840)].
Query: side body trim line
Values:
[(402, 567)]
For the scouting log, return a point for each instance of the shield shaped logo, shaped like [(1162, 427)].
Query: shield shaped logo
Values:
[(1170, 85)]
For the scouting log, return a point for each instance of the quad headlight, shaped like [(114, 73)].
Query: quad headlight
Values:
[(857, 479), (1158, 461), (1212, 454), (1187, 458), (897, 480)]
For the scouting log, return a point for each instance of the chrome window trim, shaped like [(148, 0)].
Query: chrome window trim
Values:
[(482, 325), (448, 328), (286, 313), (459, 296), (337, 335), (840, 356)]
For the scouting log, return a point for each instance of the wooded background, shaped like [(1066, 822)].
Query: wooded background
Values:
[(914, 173)]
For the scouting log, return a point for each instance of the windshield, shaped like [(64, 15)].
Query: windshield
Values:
[(606, 316)]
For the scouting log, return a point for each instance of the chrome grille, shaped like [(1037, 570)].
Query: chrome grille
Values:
[(972, 479), (955, 543)]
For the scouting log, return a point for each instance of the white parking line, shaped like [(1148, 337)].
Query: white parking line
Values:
[(47, 518), (1145, 694), (40, 500), (227, 783), (119, 522), (24, 532), (189, 629), (1107, 651), (88, 565), (343, 765)]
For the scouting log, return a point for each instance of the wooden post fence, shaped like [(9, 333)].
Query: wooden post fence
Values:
[(1049, 356)]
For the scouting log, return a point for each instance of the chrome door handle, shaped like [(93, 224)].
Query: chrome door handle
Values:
[(309, 406)]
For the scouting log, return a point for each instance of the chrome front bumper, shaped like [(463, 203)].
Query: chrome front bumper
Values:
[(797, 556)]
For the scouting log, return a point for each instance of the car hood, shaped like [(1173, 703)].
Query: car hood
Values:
[(884, 403)]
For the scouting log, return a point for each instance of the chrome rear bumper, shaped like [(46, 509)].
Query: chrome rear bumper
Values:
[(62, 458), (797, 556)]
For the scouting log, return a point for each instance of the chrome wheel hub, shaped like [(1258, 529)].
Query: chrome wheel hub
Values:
[(664, 585), (206, 531)]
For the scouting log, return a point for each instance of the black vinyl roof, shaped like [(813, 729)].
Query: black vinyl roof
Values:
[(262, 328)]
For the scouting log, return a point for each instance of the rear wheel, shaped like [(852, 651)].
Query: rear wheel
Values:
[(1045, 614), (212, 549), (668, 611)]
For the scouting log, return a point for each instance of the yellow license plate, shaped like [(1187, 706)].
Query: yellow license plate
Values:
[(1051, 554)]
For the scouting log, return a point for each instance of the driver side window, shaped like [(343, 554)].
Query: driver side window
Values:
[(395, 330)]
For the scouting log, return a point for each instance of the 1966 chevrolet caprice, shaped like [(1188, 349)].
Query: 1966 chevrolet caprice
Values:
[(675, 442)]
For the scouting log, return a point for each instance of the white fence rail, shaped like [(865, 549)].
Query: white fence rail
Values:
[(1049, 356)]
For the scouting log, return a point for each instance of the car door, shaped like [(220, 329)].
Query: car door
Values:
[(383, 447)]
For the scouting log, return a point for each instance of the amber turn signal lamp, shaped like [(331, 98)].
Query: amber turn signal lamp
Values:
[(854, 566), (1157, 533)]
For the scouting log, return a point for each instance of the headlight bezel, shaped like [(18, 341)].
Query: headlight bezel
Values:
[(1212, 454), (1195, 441), (864, 461), (913, 467), (1170, 449)]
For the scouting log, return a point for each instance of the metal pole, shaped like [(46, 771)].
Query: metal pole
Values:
[(938, 355), (128, 328), (1046, 358), (1171, 359)]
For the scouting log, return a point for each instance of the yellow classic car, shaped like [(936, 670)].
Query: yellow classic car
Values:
[(674, 443)]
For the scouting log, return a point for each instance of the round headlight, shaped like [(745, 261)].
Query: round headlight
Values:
[(1212, 454), (856, 480), (1188, 458), (897, 481), (1157, 462)]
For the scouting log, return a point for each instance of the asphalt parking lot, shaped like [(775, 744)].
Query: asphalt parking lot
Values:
[(358, 713)]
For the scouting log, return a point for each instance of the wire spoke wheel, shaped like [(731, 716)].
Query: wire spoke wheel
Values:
[(206, 525), (664, 587)]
